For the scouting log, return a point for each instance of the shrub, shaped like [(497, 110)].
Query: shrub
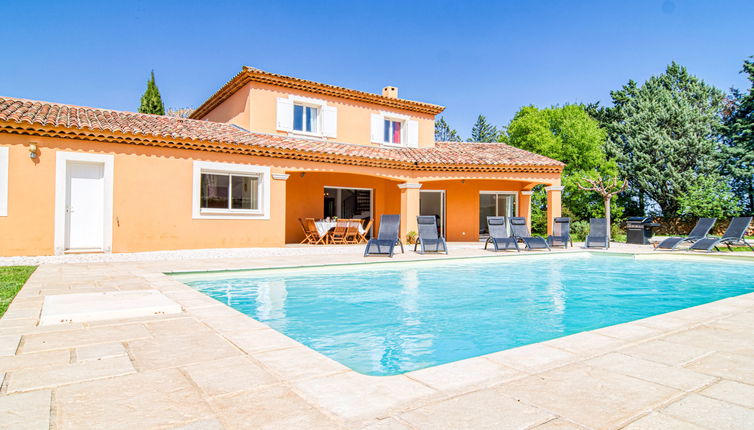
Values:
[(579, 230)]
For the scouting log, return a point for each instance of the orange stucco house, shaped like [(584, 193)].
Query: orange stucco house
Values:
[(263, 151)]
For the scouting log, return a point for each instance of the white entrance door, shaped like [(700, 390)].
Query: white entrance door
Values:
[(85, 206)]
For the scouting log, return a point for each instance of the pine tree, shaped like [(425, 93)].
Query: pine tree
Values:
[(664, 134), (443, 132), (484, 131), (151, 102), (739, 141)]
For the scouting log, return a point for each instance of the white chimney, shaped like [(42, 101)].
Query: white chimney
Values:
[(390, 91)]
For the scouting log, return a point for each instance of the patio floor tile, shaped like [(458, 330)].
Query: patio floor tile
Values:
[(37, 359), (485, 409), (674, 377), (144, 400), (655, 421), (387, 424), (229, 375), (628, 331), (9, 344), (589, 396), (298, 363), (732, 392), (465, 374), (659, 351), (559, 424), (180, 350), (272, 408), (26, 411), (82, 337), (100, 351), (715, 339), (729, 366), (712, 413), (585, 343), (36, 378), (533, 357), (261, 340), (352, 395)]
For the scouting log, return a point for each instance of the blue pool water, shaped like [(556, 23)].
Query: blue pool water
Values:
[(386, 319)]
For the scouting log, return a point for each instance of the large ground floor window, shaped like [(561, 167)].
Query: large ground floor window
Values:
[(495, 203)]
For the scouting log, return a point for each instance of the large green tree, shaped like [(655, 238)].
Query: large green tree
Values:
[(483, 131), (570, 135), (443, 132), (739, 141), (665, 135), (151, 101)]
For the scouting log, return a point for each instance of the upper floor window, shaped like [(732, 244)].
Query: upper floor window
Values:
[(305, 118), (393, 131)]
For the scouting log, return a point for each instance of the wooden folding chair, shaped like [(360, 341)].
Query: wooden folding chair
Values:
[(363, 236), (338, 235), (308, 233), (352, 231), (311, 229)]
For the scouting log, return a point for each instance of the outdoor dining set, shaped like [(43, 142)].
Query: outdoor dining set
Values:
[(334, 231)]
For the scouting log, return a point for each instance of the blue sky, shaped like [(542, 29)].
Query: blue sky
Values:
[(471, 56)]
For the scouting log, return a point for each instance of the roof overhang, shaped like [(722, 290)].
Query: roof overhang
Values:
[(250, 74)]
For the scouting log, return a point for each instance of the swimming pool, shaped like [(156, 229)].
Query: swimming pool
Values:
[(387, 319)]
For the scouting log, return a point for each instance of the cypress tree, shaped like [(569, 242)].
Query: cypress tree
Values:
[(443, 132), (151, 102), (484, 131)]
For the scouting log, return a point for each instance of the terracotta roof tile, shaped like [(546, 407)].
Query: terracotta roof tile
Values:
[(33, 112)]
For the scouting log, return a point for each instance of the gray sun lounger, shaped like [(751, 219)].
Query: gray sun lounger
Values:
[(499, 237), (597, 234), (520, 231), (734, 235), (561, 233), (429, 238), (700, 231), (387, 238)]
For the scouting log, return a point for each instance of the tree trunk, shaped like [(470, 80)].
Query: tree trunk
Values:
[(607, 217)]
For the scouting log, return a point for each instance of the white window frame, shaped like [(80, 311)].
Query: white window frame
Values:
[(4, 175), (402, 122), (392, 116), (263, 172), (512, 193), (308, 102), (61, 196), (317, 124)]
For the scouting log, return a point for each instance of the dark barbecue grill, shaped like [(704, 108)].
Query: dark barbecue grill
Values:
[(639, 230)]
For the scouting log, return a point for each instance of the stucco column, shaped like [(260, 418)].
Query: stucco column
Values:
[(409, 207), (524, 206), (278, 218), (554, 205)]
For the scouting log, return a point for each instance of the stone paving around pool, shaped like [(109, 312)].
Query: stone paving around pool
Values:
[(210, 367)]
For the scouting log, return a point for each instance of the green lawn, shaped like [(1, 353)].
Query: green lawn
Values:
[(12, 278)]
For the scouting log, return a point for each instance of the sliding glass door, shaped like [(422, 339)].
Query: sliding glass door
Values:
[(495, 203), (348, 203), (432, 202)]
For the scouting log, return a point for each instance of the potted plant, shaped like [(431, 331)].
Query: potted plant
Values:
[(411, 237)]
